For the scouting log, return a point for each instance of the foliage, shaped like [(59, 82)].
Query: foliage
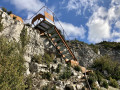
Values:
[(99, 77), (9, 12), (92, 79), (46, 75), (28, 82), (66, 74), (24, 37), (58, 68), (47, 58), (114, 83), (94, 47), (104, 63), (1, 27), (37, 58), (49, 87), (108, 45), (4, 9), (11, 66), (77, 68), (105, 84)]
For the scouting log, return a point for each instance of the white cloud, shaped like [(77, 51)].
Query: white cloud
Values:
[(115, 34), (117, 24), (80, 5), (99, 28), (72, 31), (101, 23), (117, 40), (29, 5)]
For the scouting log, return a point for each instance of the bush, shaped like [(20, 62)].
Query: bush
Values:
[(47, 58), (49, 87), (1, 27), (58, 68), (66, 74), (28, 82), (104, 63), (11, 66), (105, 84), (46, 75), (94, 47), (24, 37), (4, 9), (108, 45), (77, 68), (92, 79), (114, 83), (99, 77), (37, 58), (9, 12)]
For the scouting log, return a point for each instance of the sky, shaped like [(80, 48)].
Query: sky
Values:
[(90, 21)]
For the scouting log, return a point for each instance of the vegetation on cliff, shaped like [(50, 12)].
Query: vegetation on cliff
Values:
[(11, 66), (105, 68)]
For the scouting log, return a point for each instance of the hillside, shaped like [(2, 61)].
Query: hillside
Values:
[(29, 61)]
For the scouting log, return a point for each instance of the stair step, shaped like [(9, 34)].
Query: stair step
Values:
[(40, 27), (68, 56), (45, 25), (54, 35), (57, 39), (59, 44), (61, 48), (51, 30), (46, 22), (65, 52)]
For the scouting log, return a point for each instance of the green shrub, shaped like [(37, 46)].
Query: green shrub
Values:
[(47, 58), (24, 37), (9, 12), (46, 75), (104, 63), (99, 77), (108, 45), (92, 79), (66, 74), (94, 47), (28, 82), (1, 27), (49, 87), (77, 68), (11, 66), (4, 9), (114, 83), (105, 84), (58, 68), (37, 58)]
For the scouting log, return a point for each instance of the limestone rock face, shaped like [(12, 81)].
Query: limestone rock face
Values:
[(37, 45), (84, 54), (12, 28)]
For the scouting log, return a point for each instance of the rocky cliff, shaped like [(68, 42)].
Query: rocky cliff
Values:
[(86, 53), (44, 65)]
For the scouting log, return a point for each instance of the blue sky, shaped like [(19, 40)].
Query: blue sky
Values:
[(91, 21)]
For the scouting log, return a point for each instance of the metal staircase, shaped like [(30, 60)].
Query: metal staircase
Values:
[(53, 33)]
